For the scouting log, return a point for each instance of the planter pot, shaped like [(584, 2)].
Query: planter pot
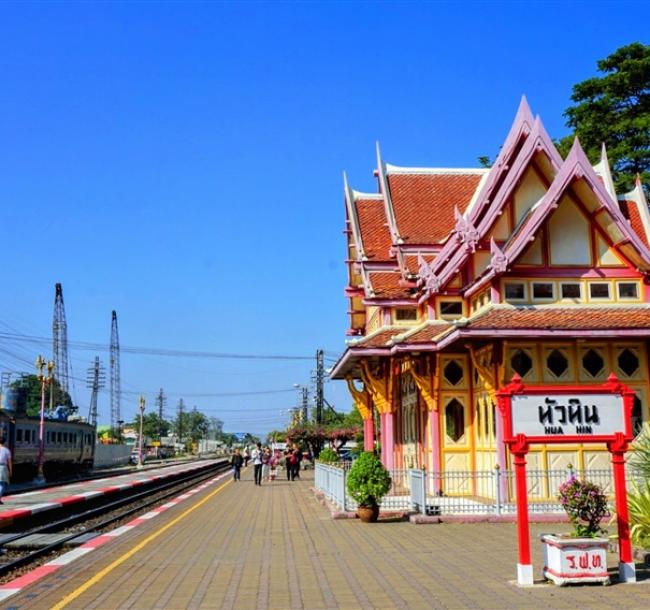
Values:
[(575, 560), (368, 514)]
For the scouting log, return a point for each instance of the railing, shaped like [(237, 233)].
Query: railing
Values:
[(463, 492)]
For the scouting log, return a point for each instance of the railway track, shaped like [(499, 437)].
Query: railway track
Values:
[(20, 551)]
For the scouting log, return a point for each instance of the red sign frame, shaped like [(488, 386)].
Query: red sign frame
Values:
[(617, 444)]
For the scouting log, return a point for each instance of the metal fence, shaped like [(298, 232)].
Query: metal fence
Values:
[(464, 492)]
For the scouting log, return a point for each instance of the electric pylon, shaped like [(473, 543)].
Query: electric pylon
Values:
[(116, 396), (95, 380), (60, 341)]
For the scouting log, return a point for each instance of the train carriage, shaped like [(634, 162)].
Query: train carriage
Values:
[(69, 445)]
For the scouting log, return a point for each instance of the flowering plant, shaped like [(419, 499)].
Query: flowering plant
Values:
[(586, 505)]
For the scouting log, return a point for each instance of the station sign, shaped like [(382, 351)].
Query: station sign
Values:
[(562, 414)]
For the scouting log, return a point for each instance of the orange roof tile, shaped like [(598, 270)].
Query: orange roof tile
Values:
[(386, 285), (424, 203), (375, 236), (631, 213), (428, 333), (381, 339), (561, 318)]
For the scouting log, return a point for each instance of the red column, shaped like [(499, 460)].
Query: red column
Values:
[(368, 435), (524, 567), (627, 572)]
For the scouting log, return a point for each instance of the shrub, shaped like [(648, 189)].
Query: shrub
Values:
[(640, 458), (638, 502), (328, 456), (586, 505), (368, 480)]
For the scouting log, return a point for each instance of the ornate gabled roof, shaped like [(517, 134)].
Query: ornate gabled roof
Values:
[(575, 167), (604, 172), (424, 201), (634, 207), (374, 235), (512, 163)]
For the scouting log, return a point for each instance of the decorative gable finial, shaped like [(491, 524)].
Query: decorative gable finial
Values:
[(499, 261), (466, 231), (428, 279)]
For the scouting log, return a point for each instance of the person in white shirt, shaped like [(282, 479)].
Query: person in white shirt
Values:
[(6, 467), (257, 463)]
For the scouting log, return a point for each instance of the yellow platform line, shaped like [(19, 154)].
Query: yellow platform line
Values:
[(120, 560)]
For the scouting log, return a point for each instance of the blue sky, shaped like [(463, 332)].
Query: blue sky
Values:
[(181, 163)]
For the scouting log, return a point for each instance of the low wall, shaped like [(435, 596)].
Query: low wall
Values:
[(111, 455)]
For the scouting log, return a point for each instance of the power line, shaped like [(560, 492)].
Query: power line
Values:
[(153, 351)]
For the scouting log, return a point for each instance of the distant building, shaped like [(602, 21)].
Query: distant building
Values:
[(458, 278)]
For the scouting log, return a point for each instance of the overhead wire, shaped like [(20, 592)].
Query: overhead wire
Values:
[(152, 351)]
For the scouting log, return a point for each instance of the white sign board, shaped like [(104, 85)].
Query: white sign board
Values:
[(567, 414)]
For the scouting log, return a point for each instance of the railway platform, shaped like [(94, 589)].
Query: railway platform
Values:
[(22, 506), (234, 545)]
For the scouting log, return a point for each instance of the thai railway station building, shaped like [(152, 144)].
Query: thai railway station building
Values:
[(459, 278)]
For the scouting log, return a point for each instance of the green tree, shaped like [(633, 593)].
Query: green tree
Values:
[(615, 109), (228, 439), (152, 425), (191, 426), (28, 395), (276, 436)]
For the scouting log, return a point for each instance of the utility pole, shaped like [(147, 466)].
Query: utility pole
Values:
[(161, 401), (95, 380), (320, 380), (305, 404), (180, 420)]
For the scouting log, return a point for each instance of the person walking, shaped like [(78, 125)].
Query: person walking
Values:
[(256, 455), (6, 467), (273, 465), (266, 460), (287, 462), (247, 456), (296, 457), (236, 462)]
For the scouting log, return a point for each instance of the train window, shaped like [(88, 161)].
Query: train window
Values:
[(65, 438), (19, 435), (58, 437)]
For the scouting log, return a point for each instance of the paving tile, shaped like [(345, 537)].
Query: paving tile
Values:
[(276, 548)]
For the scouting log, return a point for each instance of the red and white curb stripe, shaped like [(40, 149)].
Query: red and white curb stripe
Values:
[(82, 496), (18, 584)]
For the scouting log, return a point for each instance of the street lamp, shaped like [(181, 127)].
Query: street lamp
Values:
[(304, 415), (141, 421), (43, 380)]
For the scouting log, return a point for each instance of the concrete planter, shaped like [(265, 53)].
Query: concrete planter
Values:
[(575, 560)]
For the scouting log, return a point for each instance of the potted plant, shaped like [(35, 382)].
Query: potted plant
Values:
[(579, 557), (368, 482)]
